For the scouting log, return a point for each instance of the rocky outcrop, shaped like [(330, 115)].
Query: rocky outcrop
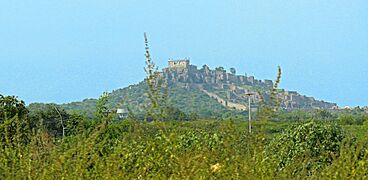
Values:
[(234, 86)]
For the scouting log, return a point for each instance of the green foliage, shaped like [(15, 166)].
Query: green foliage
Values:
[(311, 146), (102, 110), (323, 115), (346, 120), (350, 119), (205, 149), (135, 97), (49, 118), (221, 69), (176, 115), (55, 121), (365, 122), (233, 71), (86, 107), (14, 122), (297, 115), (10, 107), (193, 116), (269, 107), (157, 93), (195, 101), (75, 124)]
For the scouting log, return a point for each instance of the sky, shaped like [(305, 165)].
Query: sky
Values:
[(68, 50)]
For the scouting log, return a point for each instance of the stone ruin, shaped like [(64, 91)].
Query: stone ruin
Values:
[(181, 72)]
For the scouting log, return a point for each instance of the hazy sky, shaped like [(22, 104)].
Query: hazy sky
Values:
[(68, 50)]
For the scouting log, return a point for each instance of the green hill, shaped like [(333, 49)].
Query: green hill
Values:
[(134, 97), (206, 92)]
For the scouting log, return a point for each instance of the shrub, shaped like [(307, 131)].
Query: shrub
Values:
[(305, 147), (323, 115), (365, 123), (347, 120), (352, 162)]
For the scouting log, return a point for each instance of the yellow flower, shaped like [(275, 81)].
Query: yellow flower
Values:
[(216, 168)]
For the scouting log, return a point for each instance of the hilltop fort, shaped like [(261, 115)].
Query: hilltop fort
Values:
[(230, 89)]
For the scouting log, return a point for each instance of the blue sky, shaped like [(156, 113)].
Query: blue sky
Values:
[(68, 50)]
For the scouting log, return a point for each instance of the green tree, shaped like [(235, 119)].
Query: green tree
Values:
[(222, 69), (103, 113), (233, 71), (177, 115), (75, 124), (10, 106), (14, 124), (50, 118)]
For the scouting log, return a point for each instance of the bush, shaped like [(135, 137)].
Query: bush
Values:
[(305, 147), (347, 120), (323, 115), (352, 162), (366, 123)]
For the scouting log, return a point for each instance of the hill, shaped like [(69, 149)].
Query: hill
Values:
[(206, 92)]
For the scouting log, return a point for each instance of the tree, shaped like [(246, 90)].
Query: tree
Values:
[(233, 71), (177, 115), (14, 124), (74, 124), (222, 69), (102, 111), (10, 106), (54, 120), (50, 118)]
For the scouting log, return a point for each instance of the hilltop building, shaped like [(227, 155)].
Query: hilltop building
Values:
[(183, 63)]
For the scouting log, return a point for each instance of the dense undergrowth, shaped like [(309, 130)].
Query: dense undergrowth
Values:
[(180, 150)]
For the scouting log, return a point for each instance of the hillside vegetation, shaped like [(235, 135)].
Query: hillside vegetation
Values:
[(131, 149), (135, 97)]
